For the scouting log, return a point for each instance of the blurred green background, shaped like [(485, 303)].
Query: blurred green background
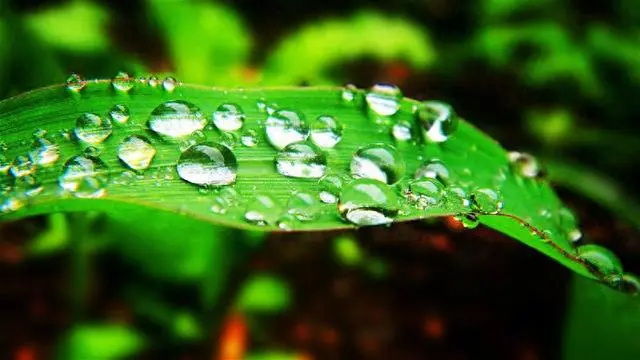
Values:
[(559, 79)]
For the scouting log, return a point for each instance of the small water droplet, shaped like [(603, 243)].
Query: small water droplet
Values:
[(469, 220), (122, 82), (401, 131), (228, 139), (603, 261), (368, 202), (384, 99), (435, 169), (326, 131), (569, 224), (84, 177), (91, 151), (426, 192), (228, 117), (249, 138), (27, 185), (349, 93), (92, 129), (301, 160), (304, 206), (22, 166), (75, 83), (263, 210), (438, 120), (153, 81), (136, 152), (286, 222), (219, 206), (119, 114), (524, 164), (39, 133), (284, 127), (208, 164), (330, 186), (176, 119), (378, 161), (457, 196), (43, 152), (487, 201), (169, 84)]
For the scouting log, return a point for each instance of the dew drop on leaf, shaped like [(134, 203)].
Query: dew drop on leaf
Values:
[(630, 284), (176, 119), (22, 166), (384, 99), (378, 161), (75, 83), (433, 168), (330, 186), (368, 202), (249, 138), (401, 131), (326, 131), (169, 84), (487, 201), (208, 164), (119, 114), (153, 81), (44, 152), (122, 82), (228, 117), (136, 152), (92, 129), (263, 210), (602, 260), (303, 206), (28, 185), (457, 197), (84, 177), (569, 224), (284, 127), (438, 120), (301, 160), (524, 164), (425, 192), (469, 220), (349, 93)]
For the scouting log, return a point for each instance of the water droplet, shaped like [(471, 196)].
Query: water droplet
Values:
[(228, 117), (401, 131), (426, 192), (486, 201), (169, 84), (11, 203), (330, 186), (435, 169), (5, 164), (378, 161), (75, 83), (84, 177), (176, 119), (263, 210), (228, 139), (286, 222), (261, 104), (438, 120), (301, 160), (91, 151), (524, 164), (43, 152), (602, 260), (39, 133), (22, 166), (470, 220), (208, 164), (284, 127), (457, 196), (27, 185), (303, 206), (153, 81), (249, 138), (122, 82), (136, 152), (384, 99), (368, 202), (349, 93), (119, 114), (92, 129), (630, 284), (326, 131), (569, 224)]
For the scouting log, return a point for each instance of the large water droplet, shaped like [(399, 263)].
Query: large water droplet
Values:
[(22, 166), (330, 186), (304, 206), (368, 202), (43, 152), (426, 192), (435, 169), (249, 138), (84, 177), (136, 152), (602, 260), (119, 114), (301, 160), (92, 129), (378, 161), (438, 120), (487, 201), (176, 119), (384, 99), (326, 131), (75, 83), (284, 127), (208, 164), (524, 164), (122, 82), (228, 117), (263, 210)]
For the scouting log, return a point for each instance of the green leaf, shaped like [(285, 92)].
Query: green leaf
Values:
[(263, 293), (78, 26), (480, 177), (100, 342), (311, 52), (274, 355)]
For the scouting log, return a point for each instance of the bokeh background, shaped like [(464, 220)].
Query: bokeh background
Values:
[(557, 78)]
